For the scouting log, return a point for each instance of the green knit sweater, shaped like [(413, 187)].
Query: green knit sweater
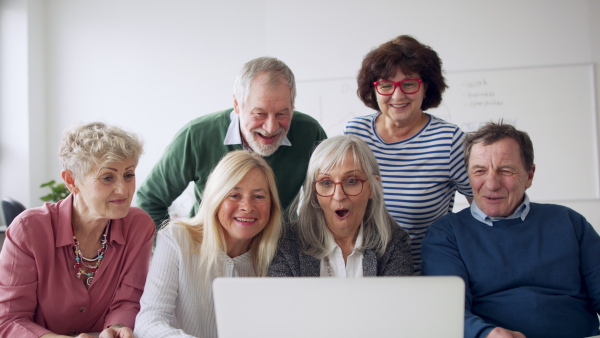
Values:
[(197, 148)]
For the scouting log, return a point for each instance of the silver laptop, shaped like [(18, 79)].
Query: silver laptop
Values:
[(424, 306)]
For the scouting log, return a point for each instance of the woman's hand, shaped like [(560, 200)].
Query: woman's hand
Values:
[(117, 331)]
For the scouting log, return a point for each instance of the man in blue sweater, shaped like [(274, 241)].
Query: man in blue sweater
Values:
[(531, 270)]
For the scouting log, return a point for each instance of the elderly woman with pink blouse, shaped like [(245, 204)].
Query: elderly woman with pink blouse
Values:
[(78, 267)]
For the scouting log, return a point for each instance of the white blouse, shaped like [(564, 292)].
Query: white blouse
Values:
[(176, 300), (333, 264)]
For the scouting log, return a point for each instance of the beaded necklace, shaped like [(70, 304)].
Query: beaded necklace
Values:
[(95, 262)]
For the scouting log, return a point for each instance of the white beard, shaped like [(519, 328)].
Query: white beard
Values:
[(259, 148)]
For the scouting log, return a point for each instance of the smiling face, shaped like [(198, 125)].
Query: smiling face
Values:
[(401, 109), (266, 116), (498, 177), (105, 192), (245, 211), (344, 213)]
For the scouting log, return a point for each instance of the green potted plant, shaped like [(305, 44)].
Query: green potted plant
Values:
[(57, 191)]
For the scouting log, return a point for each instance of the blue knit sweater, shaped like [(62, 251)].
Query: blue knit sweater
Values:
[(540, 276)]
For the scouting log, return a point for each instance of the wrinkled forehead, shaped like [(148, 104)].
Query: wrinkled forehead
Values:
[(503, 151), (267, 95)]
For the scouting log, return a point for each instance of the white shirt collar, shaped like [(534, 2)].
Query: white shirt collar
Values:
[(234, 136), (521, 212), (336, 267)]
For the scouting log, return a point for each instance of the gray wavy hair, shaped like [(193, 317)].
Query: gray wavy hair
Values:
[(88, 145), (310, 223), (275, 68)]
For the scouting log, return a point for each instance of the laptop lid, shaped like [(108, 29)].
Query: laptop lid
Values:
[(420, 306)]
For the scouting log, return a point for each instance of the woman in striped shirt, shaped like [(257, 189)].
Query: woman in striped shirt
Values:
[(234, 234), (420, 155)]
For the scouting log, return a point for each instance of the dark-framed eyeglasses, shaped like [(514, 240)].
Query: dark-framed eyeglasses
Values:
[(407, 86), (350, 187)]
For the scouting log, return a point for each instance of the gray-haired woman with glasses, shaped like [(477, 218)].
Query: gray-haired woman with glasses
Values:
[(342, 228)]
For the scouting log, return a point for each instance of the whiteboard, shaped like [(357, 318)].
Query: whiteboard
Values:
[(554, 105)]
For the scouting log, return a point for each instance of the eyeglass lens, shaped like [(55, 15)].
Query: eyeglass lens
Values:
[(351, 187)]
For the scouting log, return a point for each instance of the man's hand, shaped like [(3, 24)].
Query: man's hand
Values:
[(500, 332)]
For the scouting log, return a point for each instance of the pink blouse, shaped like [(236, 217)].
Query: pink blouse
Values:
[(39, 289)]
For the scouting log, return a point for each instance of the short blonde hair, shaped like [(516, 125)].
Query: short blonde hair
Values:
[(86, 146), (205, 227)]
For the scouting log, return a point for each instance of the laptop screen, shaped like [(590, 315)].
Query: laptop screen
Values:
[(420, 306)]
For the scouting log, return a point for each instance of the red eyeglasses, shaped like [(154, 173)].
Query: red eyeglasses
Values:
[(407, 86)]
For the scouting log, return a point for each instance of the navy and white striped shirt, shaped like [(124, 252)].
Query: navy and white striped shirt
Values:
[(419, 175)]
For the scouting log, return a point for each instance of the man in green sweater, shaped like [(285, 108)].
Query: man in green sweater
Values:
[(262, 120)]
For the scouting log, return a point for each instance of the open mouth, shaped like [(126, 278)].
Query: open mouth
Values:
[(342, 213), (399, 105), (267, 137)]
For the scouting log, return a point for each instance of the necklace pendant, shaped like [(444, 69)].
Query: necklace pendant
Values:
[(95, 262)]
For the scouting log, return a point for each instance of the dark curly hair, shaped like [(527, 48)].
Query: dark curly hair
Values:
[(408, 54)]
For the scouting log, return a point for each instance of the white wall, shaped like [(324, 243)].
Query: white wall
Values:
[(14, 118), (22, 107), (151, 65)]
